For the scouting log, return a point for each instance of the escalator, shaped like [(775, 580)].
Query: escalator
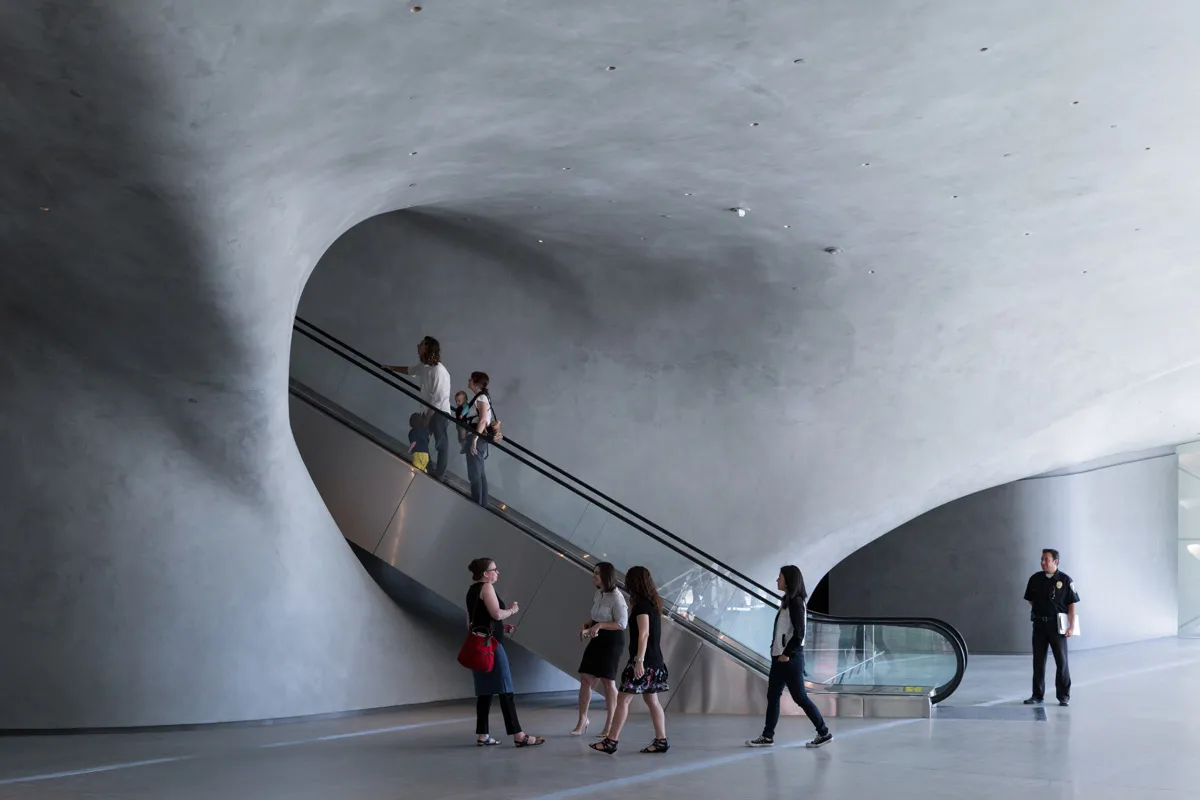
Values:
[(350, 420)]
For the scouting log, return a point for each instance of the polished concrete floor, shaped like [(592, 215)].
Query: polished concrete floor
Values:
[(1132, 731)]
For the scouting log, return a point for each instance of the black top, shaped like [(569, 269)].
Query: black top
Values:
[(480, 618), (419, 437), (1050, 595), (653, 650)]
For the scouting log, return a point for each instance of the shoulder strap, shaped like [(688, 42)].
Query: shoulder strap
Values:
[(474, 608)]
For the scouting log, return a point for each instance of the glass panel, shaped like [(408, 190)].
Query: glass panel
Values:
[(878, 655), (1189, 541), (707, 597)]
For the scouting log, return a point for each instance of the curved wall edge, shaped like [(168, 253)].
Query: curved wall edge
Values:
[(967, 561)]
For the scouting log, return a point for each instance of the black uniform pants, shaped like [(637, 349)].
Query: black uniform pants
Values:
[(1046, 636)]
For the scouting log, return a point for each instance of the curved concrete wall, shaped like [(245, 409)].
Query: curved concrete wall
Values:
[(763, 424), (1013, 291), (967, 562), (164, 556)]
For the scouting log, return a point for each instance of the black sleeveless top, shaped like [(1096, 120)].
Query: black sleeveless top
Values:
[(480, 618)]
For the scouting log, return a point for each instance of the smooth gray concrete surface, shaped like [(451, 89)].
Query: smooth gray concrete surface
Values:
[(173, 171), (967, 562), (1130, 732)]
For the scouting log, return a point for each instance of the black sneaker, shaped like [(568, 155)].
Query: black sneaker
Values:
[(1064, 701), (762, 741), (1033, 701), (823, 738)]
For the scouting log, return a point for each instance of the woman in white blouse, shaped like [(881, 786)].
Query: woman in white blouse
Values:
[(605, 632)]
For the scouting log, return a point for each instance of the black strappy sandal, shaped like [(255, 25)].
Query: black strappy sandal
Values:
[(605, 745), (488, 742), (530, 741), (657, 746)]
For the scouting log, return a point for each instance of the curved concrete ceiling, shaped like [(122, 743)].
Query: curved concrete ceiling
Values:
[(1007, 186)]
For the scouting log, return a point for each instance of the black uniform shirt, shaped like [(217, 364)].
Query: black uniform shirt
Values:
[(1052, 595)]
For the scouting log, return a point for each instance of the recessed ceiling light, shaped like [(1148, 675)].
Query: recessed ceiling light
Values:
[(413, 153), (787, 226), (610, 68), (44, 208), (415, 9), (753, 124)]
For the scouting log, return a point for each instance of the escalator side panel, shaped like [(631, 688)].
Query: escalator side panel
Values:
[(435, 533), (714, 683), (361, 483)]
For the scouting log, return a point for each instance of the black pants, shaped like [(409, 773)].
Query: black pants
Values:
[(1046, 635), (508, 707), (790, 673), (437, 431)]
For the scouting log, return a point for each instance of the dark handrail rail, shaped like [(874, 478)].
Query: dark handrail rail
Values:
[(389, 378), (317, 333), (763, 594)]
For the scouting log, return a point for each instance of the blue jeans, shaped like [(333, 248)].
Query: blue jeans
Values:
[(437, 431), (790, 673), (476, 474)]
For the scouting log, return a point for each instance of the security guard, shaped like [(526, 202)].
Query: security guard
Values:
[(1051, 592)]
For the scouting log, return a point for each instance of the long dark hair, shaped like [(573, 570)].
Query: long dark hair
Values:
[(481, 380), (794, 580), (640, 584), (608, 576)]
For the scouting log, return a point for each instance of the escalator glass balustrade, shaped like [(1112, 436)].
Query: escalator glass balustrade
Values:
[(713, 601)]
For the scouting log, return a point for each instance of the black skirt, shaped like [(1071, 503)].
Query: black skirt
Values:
[(602, 657)]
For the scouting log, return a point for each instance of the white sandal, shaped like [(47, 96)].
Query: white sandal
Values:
[(488, 742)]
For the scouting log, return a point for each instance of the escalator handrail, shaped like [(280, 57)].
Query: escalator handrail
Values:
[(696, 555), (928, 622), (759, 591), (508, 441)]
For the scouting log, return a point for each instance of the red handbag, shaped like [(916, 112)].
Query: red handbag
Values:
[(478, 652)]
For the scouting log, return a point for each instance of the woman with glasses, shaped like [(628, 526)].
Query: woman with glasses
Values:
[(486, 613)]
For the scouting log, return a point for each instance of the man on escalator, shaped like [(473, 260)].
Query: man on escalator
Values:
[(434, 380), (1052, 598)]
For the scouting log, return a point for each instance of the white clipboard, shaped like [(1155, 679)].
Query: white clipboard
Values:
[(1063, 619)]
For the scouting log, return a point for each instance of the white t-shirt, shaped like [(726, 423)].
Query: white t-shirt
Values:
[(483, 408), (434, 381)]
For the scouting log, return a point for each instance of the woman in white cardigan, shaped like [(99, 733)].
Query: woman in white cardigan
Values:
[(605, 632)]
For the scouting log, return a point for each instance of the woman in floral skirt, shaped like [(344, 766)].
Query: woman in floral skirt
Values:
[(646, 673)]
